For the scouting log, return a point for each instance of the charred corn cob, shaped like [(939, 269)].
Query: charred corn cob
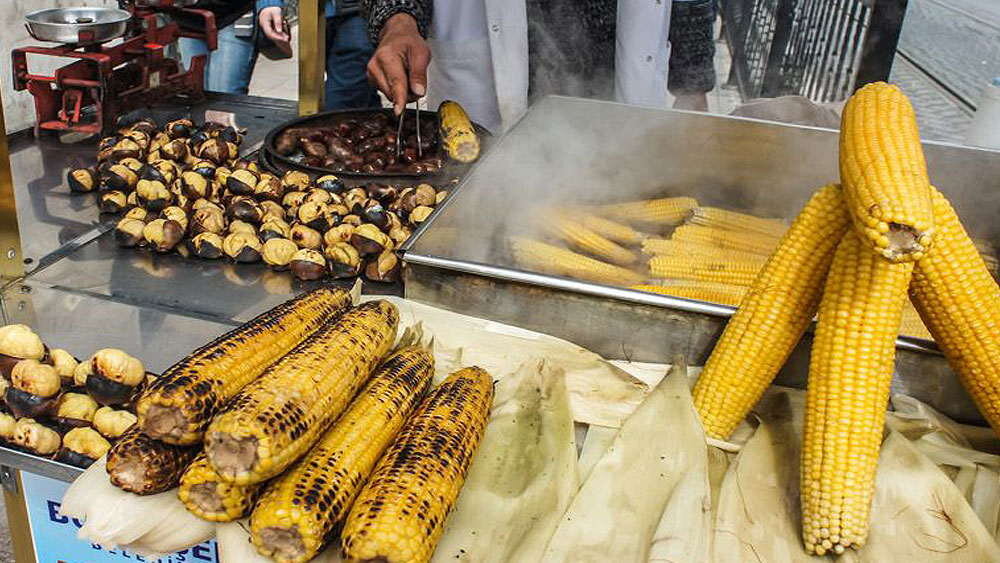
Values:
[(399, 515), (736, 221), (178, 405), (669, 247), (960, 303), (701, 269), (458, 136), (722, 294), (139, 464), (210, 498), (300, 508), (550, 259), (772, 317), (744, 242), (883, 172), (850, 370), (612, 230), (585, 240), (274, 420), (663, 211)]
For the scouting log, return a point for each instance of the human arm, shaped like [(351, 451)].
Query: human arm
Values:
[(272, 21), (399, 66)]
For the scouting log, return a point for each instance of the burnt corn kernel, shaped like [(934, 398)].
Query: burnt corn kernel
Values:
[(144, 466), (210, 498)]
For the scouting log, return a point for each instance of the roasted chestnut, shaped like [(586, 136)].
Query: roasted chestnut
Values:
[(131, 200), (247, 165), (295, 180), (159, 139), (286, 143), (369, 240), (113, 201), (81, 373), (217, 150), (146, 125), (7, 423), (81, 447), (230, 134), (308, 264), (278, 252), (314, 215), (140, 137), (153, 195), (273, 228), (65, 364), (203, 203), (206, 168), (162, 235), (176, 150), (206, 245), (138, 213), (355, 195), (242, 181), (36, 438), (440, 197), (126, 148), (176, 213), (420, 214), (383, 268), (82, 180), (222, 175), (400, 234), (128, 232), (374, 213), (293, 199), (306, 237), (179, 128), (195, 186), (424, 194), (208, 220), (112, 423), (114, 376), (314, 149), (245, 209), (272, 210), (120, 177), (242, 247), (331, 184), (343, 260), (318, 196), (340, 233), (76, 409), (269, 187), (34, 388), (18, 342), (238, 226), (383, 193)]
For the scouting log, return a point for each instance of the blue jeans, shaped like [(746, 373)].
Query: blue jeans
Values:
[(229, 67), (347, 52)]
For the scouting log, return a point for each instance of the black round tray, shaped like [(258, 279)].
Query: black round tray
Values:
[(271, 158)]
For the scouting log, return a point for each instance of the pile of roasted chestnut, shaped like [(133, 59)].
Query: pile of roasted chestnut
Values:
[(366, 145), (56, 406)]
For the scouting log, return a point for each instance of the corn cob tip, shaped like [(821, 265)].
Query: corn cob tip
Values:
[(231, 455), (206, 497), (284, 543), (905, 243), (163, 423)]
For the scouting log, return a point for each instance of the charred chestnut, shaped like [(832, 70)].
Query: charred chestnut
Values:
[(231, 135), (269, 187), (179, 128), (308, 264), (82, 180), (206, 168), (222, 175), (194, 185), (114, 376), (34, 388), (208, 220), (295, 180), (206, 245), (131, 200), (420, 214), (242, 247), (36, 438), (162, 235), (242, 181), (314, 215), (343, 260), (278, 252), (369, 240), (153, 195), (383, 268), (217, 150), (126, 148), (112, 202), (176, 213), (247, 165), (331, 184), (140, 137), (76, 409), (273, 228), (176, 150), (112, 423), (120, 177), (340, 233), (306, 237), (314, 149), (374, 213), (81, 447), (383, 193), (128, 232), (293, 199), (245, 209)]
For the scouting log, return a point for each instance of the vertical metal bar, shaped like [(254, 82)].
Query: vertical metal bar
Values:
[(17, 515), (814, 57), (312, 55), (879, 47), (11, 259), (774, 84)]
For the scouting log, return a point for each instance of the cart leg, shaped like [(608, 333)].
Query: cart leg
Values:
[(17, 515), (312, 55), (11, 260)]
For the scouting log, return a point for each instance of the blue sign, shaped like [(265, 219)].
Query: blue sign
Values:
[(54, 535)]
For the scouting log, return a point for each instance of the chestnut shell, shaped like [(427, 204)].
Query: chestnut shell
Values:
[(107, 391), (26, 405)]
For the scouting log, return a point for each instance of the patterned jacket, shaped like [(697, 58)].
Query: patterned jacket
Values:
[(377, 12)]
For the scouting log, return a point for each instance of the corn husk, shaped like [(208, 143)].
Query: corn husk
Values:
[(233, 541), (523, 476), (596, 443), (616, 513), (150, 525)]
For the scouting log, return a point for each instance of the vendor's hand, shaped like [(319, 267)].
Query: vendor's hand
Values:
[(399, 66), (272, 23)]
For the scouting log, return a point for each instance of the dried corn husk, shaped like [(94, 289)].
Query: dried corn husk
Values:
[(597, 442), (523, 477)]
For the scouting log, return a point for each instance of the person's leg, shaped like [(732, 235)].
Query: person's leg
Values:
[(692, 53), (190, 48), (347, 52), (231, 65)]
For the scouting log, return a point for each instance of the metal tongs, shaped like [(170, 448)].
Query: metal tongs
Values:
[(399, 132)]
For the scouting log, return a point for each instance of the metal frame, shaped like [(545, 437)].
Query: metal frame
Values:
[(312, 55)]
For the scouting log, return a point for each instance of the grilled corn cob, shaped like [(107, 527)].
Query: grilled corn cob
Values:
[(458, 136), (736, 221), (612, 230), (210, 498), (669, 247), (274, 420), (960, 303), (585, 240), (144, 466), (664, 211), (178, 405), (849, 374), (550, 259), (772, 317), (701, 269), (399, 515), (883, 172), (299, 509), (744, 242), (722, 294)]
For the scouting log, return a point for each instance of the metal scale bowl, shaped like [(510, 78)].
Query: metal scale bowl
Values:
[(79, 26)]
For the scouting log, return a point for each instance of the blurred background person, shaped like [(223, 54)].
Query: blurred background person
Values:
[(692, 53), (230, 66), (348, 50)]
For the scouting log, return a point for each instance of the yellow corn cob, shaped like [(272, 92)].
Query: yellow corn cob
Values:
[(736, 221), (399, 515), (550, 259), (179, 404), (210, 498), (722, 294), (618, 232), (458, 136), (912, 325), (883, 172), (138, 464), (668, 247), (700, 269), (274, 420), (663, 211), (853, 356), (744, 242), (300, 508), (585, 240), (959, 302), (772, 317)]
